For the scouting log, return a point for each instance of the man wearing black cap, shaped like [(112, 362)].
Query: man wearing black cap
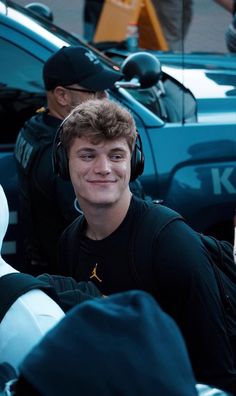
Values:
[(71, 76)]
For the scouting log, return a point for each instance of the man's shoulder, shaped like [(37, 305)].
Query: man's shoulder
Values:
[(139, 204), (155, 208), (40, 128), (152, 218), (73, 228), (34, 138)]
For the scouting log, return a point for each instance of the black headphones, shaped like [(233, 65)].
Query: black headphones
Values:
[(60, 161)]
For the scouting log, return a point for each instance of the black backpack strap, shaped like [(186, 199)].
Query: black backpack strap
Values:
[(147, 232), (14, 285), (221, 258)]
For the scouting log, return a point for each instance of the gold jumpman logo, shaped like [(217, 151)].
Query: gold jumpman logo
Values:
[(94, 274)]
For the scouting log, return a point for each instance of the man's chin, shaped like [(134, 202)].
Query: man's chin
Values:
[(103, 203), (101, 200)]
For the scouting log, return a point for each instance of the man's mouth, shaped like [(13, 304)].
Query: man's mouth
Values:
[(101, 181)]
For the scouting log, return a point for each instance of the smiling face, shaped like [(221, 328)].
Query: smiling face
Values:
[(100, 172)]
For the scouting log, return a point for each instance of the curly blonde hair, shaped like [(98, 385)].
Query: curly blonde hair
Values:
[(98, 119)]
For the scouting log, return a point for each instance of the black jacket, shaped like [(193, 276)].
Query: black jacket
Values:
[(46, 201)]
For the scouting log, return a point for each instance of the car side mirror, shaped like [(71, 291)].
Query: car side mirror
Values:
[(140, 69)]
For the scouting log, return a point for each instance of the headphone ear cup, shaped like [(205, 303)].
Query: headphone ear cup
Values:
[(61, 162), (137, 160)]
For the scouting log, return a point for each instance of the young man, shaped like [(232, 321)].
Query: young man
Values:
[(71, 76), (175, 17), (98, 138)]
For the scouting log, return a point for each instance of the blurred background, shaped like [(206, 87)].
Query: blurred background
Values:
[(206, 33)]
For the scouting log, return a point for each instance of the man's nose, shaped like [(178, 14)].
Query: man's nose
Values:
[(102, 165)]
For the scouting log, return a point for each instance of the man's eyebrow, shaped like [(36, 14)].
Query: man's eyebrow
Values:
[(85, 149), (118, 149), (91, 150)]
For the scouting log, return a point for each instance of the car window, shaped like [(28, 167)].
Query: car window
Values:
[(18, 69), (169, 100), (21, 89)]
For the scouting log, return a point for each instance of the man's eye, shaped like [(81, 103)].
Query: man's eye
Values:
[(116, 157), (86, 157)]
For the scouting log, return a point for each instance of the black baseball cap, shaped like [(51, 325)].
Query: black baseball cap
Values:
[(78, 65)]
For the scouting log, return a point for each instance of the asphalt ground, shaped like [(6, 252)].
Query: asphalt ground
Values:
[(206, 33)]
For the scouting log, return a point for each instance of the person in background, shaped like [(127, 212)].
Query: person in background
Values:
[(229, 5), (92, 12), (175, 18), (230, 34)]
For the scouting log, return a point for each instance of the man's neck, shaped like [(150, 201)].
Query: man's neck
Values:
[(103, 220), (57, 114)]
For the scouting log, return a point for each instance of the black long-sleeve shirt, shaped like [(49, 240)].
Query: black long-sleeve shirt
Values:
[(186, 287)]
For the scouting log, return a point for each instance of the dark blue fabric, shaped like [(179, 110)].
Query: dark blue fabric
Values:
[(119, 345), (7, 373)]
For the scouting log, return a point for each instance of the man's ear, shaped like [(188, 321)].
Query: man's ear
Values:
[(61, 96)]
